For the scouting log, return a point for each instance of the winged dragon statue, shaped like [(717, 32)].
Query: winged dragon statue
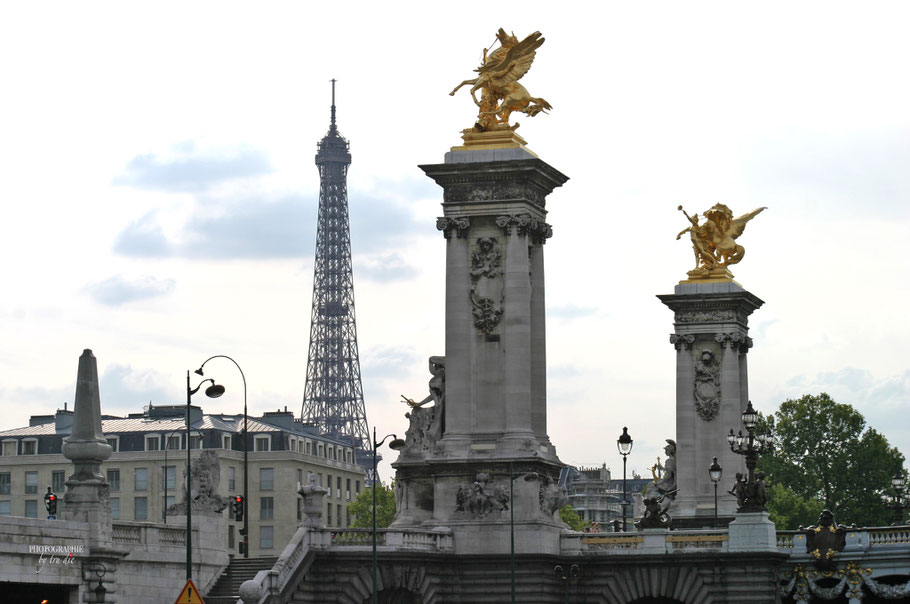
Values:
[(714, 240), (500, 92)]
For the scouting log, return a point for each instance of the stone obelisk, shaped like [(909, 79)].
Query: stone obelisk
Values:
[(87, 491), (711, 338)]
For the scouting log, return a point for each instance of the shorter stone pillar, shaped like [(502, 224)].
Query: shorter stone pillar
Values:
[(312, 495), (752, 532)]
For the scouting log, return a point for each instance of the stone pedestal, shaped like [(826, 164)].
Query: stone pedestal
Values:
[(493, 408), (712, 390), (752, 532)]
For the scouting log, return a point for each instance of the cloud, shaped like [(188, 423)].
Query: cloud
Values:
[(570, 311), (191, 170), (143, 238), (118, 290), (379, 222), (389, 362), (385, 268), (126, 390)]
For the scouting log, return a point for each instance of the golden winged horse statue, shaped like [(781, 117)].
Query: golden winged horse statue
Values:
[(501, 94)]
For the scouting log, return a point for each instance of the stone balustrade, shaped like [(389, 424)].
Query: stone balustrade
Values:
[(151, 534)]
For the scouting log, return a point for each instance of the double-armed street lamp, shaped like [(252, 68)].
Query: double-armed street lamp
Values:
[(395, 445), (898, 482), (750, 496), (246, 447), (213, 391), (715, 472), (528, 476), (566, 575), (624, 444)]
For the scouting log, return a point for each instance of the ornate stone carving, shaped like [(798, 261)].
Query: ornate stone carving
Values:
[(824, 540), (206, 477), (487, 286), (525, 224), (682, 341), (552, 496), (427, 424), (663, 488), (706, 316), (459, 225), (707, 385), (483, 497), (312, 494), (737, 340)]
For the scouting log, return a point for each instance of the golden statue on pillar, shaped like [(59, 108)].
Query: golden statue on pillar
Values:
[(714, 242), (501, 94)]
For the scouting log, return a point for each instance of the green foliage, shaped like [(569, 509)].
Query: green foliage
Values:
[(568, 515), (362, 507), (824, 455), (789, 511)]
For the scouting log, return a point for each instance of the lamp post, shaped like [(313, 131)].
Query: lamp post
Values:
[(566, 576), (749, 496), (246, 448), (624, 444), (167, 437), (715, 472), (898, 483), (529, 476), (213, 391), (396, 444)]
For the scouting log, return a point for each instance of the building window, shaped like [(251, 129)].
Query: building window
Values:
[(299, 509), (328, 452), (230, 477), (347, 517), (113, 479), (307, 447), (114, 443), (328, 519), (9, 448), (31, 483), (338, 507), (195, 442), (357, 487), (5, 482), (168, 502), (266, 479), (6, 508), (31, 508), (170, 476), (338, 492), (231, 536), (299, 478), (58, 481), (320, 478), (141, 508), (262, 443), (29, 447), (329, 485), (173, 443), (266, 537), (115, 508), (141, 479), (321, 450), (266, 508), (292, 444), (151, 443), (226, 442), (347, 490)]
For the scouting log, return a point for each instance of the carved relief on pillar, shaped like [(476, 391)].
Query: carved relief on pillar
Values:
[(737, 341), (525, 224), (681, 341), (551, 496), (486, 284), (721, 315), (459, 225), (482, 498), (707, 385)]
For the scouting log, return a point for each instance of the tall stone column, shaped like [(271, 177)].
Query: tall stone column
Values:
[(711, 341), (87, 492)]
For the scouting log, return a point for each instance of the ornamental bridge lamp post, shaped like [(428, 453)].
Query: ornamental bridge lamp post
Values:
[(750, 493)]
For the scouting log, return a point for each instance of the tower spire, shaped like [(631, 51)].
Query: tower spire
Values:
[(333, 128)]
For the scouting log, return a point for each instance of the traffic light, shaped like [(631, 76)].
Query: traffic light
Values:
[(50, 503), (238, 507)]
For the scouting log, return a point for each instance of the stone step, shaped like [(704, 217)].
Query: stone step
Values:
[(237, 572)]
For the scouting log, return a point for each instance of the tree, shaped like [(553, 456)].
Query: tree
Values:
[(568, 515), (789, 511), (362, 507), (825, 453)]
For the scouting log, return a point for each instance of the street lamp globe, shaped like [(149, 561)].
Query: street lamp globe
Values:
[(898, 481), (750, 417), (715, 471), (624, 442)]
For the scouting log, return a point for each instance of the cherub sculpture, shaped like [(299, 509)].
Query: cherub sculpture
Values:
[(500, 92), (713, 240)]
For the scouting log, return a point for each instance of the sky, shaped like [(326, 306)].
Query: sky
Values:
[(159, 197)]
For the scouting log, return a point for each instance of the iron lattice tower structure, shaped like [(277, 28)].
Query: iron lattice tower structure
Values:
[(333, 395)]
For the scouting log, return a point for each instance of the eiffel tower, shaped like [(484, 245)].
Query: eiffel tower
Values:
[(333, 396)]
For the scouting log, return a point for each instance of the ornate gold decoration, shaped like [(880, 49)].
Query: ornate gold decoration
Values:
[(713, 242), (500, 92)]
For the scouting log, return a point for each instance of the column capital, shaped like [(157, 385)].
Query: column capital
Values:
[(525, 224), (682, 341), (458, 224)]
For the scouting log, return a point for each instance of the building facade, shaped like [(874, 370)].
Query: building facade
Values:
[(597, 497), (146, 470)]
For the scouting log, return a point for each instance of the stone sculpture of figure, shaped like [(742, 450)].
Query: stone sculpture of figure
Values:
[(759, 493), (427, 424), (501, 94), (487, 287), (552, 496), (825, 539), (666, 484), (206, 473), (482, 497), (654, 516), (739, 490), (707, 385)]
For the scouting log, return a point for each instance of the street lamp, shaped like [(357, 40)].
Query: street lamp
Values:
[(246, 483), (396, 444), (566, 576), (749, 497), (529, 476), (213, 391), (898, 483), (715, 472), (624, 444)]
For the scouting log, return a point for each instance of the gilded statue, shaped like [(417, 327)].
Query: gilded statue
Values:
[(713, 241), (500, 92)]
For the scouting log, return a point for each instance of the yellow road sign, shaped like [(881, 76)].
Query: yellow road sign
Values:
[(189, 594)]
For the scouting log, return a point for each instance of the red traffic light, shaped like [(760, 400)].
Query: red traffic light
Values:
[(52, 498), (238, 499)]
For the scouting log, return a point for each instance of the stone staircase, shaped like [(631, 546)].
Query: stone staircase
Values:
[(239, 570)]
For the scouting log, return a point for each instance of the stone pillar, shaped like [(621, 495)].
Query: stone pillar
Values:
[(87, 492), (712, 342)]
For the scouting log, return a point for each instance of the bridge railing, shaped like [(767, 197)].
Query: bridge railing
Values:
[(648, 542), (151, 534), (432, 540)]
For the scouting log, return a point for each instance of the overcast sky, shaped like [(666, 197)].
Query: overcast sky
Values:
[(159, 197)]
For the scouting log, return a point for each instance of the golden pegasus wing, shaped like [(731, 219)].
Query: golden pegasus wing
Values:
[(738, 224), (515, 63)]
